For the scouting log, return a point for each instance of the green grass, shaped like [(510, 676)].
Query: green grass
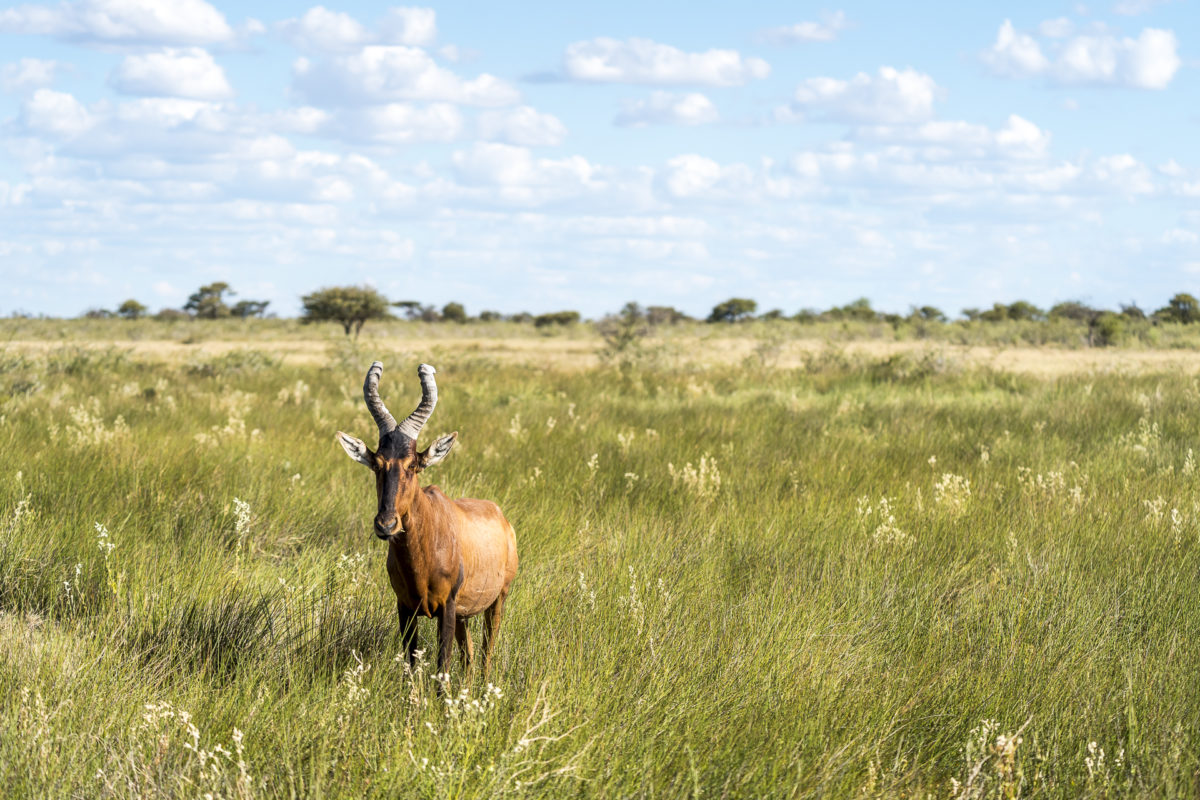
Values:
[(780, 632)]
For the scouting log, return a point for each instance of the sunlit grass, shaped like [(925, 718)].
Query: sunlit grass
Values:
[(861, 577)]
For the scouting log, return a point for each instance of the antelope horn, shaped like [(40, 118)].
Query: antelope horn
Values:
[(411, 427), (383, 418)]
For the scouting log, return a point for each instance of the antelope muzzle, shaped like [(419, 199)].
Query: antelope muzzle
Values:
[(386, 526)]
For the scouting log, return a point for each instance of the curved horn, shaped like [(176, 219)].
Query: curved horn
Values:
[(383, 418), (411, 427)]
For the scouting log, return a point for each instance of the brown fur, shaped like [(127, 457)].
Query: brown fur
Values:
[(449, 559)]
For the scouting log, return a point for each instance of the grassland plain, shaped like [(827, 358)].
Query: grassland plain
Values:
[(857, 577)]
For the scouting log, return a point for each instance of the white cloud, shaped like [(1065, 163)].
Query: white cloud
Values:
[(1124, 173), (122, 21), (321, 30), (388, 73), (692, 176), (664, 108), (889, 96), (523, 125), (952, 140), (824, 31), (411, 26), (56, 114), (1148, 62), (28, 73), (506, 165), (398, 123), (1015, 54), (604, 60), (303, 119), (187, 72)]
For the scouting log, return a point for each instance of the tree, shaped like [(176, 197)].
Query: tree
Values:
[(131, 309), (972, 314), (490, 316), (1018, 311), (1182, 308), (624, 330), (1106, 328), (1132, 311), (249, 308), (860, 310), (1022, 310), (735, 309), (208, 302), (1073, 310), (349, 305), (98, 313), (411, 308), (664, 315), (928, 314), (414, 310), (773, 314), (454, 312), (556, 318)]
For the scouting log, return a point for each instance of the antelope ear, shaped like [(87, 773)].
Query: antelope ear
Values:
[(437, 451), (355, 448)]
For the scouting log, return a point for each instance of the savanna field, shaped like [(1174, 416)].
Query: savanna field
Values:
[(839, 574)]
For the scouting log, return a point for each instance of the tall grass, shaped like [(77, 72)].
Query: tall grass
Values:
[(856, 579)]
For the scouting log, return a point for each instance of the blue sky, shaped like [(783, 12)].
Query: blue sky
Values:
[(539, 156)]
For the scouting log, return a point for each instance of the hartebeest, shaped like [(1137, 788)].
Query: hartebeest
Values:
[(449, 559)]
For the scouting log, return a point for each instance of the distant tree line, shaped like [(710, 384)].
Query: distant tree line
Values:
[(207, 302), (354, 306)]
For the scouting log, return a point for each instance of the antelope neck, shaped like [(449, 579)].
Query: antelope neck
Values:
[(410, 521)]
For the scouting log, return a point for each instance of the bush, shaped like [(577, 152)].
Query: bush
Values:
[(556, 318), (1108, 329)]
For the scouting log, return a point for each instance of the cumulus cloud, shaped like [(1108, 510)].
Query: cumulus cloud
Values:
[(397, 123), (695, 176), (523, 125), (323, 31), (1149, 61), (604, 60), (1124, 173), (947, 140), (664, 108), (889, 96), (411, 26), (28, 73), (389, 73), (506, 165), (54, 114), (187, 72), (1015, 54), (320, 30), (122, 21), (824, 31)]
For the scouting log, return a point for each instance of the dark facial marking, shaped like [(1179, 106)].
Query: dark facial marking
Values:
[(395, 445)]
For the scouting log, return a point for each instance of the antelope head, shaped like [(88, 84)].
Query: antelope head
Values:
[(396, 461)]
